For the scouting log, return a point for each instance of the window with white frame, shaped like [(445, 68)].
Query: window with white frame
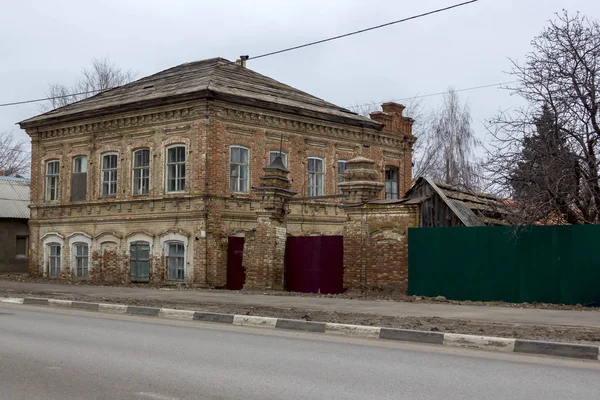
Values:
[(315, 176), (52, 173), (391, 182), (81, 258), (239, 169), (109, 174), (273, 154), (176, 168), (79, 179), (141, 171), (175, 254), (54, 252)]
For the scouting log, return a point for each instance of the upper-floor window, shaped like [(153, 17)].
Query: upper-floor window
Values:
[(391, 183), (52, 172), (141, 171), (341, 168), (273, 154), (109, 174), (315, 176), (238, 169), (176, 168), (79, 179)]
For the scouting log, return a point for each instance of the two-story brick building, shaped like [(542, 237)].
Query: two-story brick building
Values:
[(148, 180)]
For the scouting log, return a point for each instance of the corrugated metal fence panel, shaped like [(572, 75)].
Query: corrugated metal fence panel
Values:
[(554, 264)]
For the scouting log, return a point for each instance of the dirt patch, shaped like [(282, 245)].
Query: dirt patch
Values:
[(365, 293), (520, 331)]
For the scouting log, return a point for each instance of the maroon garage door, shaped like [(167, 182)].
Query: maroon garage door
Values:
[(314, 264), (236, 276)]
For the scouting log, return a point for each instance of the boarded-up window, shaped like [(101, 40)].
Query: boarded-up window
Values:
[(22, 246), (79, 179)]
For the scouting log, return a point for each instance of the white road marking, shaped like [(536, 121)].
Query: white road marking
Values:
[(156, 396)]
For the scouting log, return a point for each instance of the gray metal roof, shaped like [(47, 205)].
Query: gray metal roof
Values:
[(213, 78), (14, 197)]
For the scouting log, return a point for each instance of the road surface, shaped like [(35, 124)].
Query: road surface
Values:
[(67, 354)]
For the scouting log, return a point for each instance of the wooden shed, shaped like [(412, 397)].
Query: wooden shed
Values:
[(443, 205)]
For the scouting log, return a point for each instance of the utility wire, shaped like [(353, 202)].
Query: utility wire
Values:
[(276, 52), (48, 98), (436, 94), (364, 30)]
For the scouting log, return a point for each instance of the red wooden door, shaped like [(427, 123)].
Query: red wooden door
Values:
[(236, 275), (314, 264)]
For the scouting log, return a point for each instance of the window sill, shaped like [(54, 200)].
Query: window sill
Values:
[(178, 192)]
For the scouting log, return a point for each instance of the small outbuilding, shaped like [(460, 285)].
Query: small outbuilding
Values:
[(14, 228)]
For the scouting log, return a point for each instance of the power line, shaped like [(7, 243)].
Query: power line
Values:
[(436, 94), (364, 30), (48, 98), (275, 52)]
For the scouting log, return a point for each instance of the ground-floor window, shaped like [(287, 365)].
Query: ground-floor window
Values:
[(139, 253), (54, 251), (81, 260), (175, 260)]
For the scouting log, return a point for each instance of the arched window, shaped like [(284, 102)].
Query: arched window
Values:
[(239, 169), (52, 175), (175, 257), (315, 176), (141, 172), (54, 259), (79, 179), (110, 163), (175, 169), (81, 257), (139, 258)]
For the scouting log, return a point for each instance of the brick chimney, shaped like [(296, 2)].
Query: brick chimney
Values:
[(392, 119)]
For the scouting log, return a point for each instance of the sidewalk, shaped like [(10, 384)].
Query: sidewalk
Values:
[(385, 308)]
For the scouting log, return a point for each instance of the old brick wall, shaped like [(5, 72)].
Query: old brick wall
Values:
[(376, 245), (207, 212)]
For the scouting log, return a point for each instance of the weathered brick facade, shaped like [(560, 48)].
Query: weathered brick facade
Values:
[(206, 212)]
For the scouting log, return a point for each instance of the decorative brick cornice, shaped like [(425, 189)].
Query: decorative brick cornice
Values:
[(303, 125), (124, 122)]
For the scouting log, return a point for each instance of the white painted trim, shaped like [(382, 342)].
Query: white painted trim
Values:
[(237, 146), (76, 238), (48, 239), (174, 237)]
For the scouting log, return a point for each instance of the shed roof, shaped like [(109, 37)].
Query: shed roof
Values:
[(471, 208), (14, 197), (213, 78)]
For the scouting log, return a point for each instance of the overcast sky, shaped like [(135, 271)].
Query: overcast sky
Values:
[(52, 41)]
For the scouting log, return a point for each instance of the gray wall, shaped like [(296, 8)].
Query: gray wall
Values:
[(9, 230)]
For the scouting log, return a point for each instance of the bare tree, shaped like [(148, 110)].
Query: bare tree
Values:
[(554, 176), (103, 75), (14, 157), (422, 155), (449, 148)]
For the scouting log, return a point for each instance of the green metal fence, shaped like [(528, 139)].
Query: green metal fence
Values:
[(550, 264)]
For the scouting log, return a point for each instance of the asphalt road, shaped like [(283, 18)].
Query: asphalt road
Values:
[(65, 354)]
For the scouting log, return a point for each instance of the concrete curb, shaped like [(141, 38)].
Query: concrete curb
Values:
[(445, 339)]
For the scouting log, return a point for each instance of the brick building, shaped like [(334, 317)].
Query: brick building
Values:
[(147, 181)]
